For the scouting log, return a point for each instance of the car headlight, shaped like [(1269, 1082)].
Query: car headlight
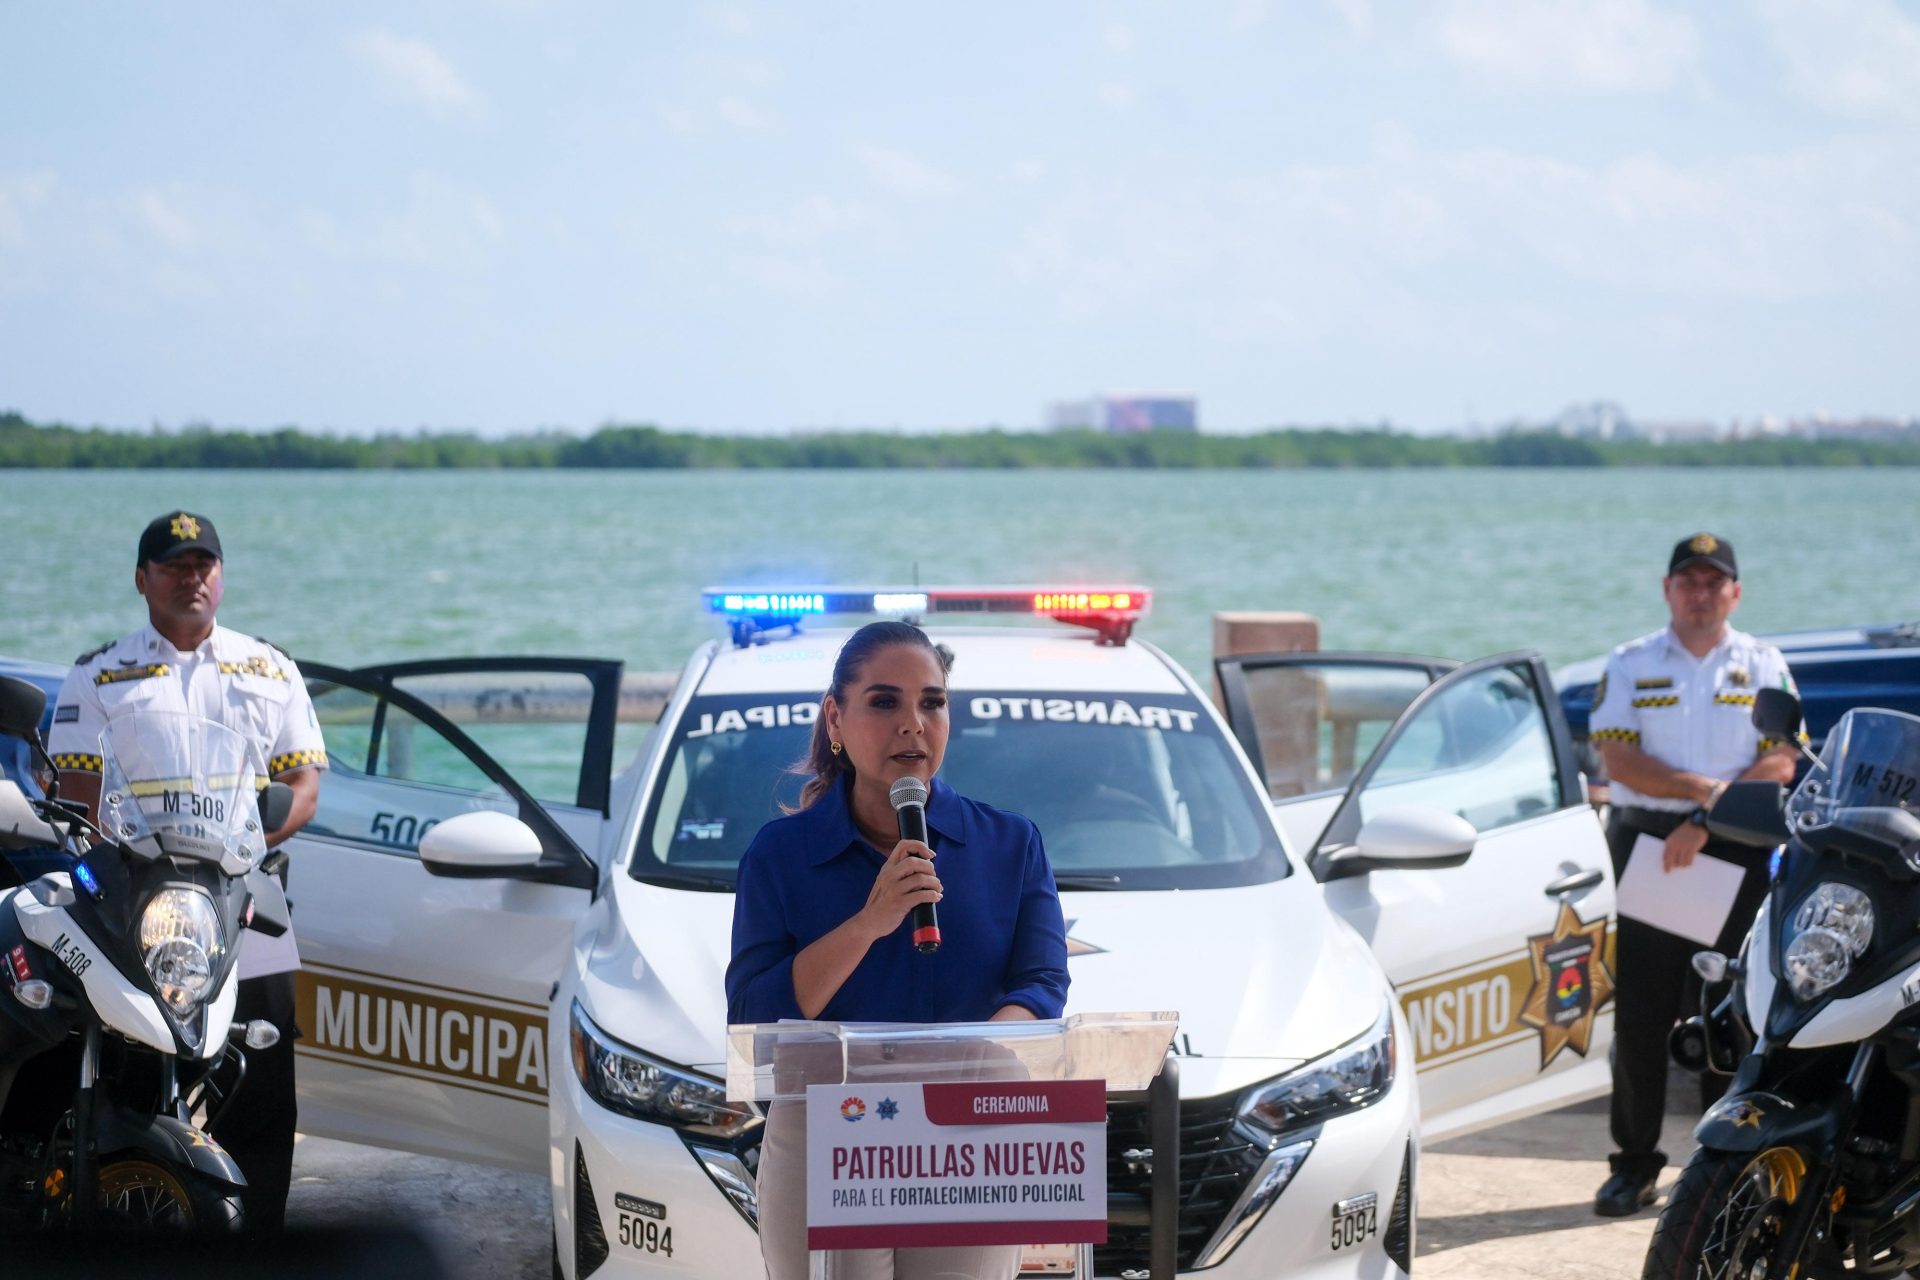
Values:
[(180, 945), (1357, 1074), (1832, 925), (625, 1080)]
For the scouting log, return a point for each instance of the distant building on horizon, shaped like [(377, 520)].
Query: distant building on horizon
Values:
[(1125, 415)]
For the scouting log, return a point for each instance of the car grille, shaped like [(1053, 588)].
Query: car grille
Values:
[(1215, 1165)]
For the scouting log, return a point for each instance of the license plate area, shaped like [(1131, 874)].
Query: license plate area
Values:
[(1355, 1221)]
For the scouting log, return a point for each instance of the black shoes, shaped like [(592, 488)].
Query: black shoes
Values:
[(1624, 1194)]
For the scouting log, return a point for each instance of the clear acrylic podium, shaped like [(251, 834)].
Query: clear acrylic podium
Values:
[(778, 1061)]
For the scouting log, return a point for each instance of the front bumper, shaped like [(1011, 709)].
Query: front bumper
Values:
[(1232, 1228)]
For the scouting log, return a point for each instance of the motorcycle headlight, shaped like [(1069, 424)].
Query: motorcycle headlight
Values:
[(180, 945), (1842, 910), (625, 1080), (1832, 925), (1357, 1074)]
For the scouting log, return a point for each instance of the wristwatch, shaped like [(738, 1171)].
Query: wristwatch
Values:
[(1698, 817)]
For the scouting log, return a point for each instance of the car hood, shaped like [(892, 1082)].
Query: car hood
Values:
[(1264, 977)]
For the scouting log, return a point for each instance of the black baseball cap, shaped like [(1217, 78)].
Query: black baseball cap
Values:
[(1708, 547), (177, 531)]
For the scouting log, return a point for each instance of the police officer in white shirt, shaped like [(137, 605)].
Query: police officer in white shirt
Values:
[(1672, 718), (183, 661)]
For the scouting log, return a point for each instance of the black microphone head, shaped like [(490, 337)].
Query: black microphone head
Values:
[(906, 791)]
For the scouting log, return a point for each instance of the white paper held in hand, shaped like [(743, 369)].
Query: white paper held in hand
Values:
[(1691, 901)]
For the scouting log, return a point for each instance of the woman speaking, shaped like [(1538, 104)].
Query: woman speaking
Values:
[(821, 924)]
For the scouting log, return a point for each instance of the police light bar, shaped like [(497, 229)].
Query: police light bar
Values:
[(753, 611)]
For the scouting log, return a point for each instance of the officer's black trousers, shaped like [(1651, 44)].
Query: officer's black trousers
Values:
[(257, 1130), (1654, 987)]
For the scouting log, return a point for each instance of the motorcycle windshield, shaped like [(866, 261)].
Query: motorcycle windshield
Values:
[(1871, 762), (180, 785)]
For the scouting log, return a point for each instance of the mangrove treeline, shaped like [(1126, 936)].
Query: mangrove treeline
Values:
[(29, 444)]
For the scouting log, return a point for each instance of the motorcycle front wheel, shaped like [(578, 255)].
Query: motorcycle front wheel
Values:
[(1724, 1217), (141, 1195)]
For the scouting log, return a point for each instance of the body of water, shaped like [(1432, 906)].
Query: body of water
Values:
[(360, 567)]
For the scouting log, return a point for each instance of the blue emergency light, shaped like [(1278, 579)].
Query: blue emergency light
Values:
[(84, 875), (754, 612)]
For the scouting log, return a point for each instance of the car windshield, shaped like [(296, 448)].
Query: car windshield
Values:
[(1129, 791)]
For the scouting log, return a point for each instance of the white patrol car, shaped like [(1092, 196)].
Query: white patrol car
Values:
[(1373, 890)]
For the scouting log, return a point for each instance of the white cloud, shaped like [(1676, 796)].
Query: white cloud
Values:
[(20, 195), (742, 115), (164, 220), (414, 70), (1356, 14), (903, 173), (1860, 59), (1603, 46)]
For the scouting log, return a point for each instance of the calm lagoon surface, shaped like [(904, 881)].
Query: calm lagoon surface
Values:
[(359, 567)]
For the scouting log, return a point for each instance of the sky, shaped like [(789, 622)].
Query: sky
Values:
[(501, 215)]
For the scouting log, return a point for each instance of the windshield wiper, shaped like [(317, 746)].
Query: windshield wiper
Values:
[(1086, 882), (685, 880)]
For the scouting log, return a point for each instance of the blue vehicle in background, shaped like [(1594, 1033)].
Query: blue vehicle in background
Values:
[(1837, 669)]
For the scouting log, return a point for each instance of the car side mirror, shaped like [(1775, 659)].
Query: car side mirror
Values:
[(22, 703), (1776, 714), (1752, 813), (276, 806), (480, 844), (1409, 839)]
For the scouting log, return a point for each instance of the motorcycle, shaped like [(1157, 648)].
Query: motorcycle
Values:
[(1809, 1166), (131, 951)]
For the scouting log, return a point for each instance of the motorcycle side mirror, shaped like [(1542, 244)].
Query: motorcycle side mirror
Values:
[(276, 806), (270, 914), (1776, 714), (22, 703), (1751, 813)]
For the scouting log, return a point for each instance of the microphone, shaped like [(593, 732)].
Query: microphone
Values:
[(909, 799)]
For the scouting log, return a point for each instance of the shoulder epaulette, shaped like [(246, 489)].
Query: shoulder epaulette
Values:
[(276, 648), (91, 654)]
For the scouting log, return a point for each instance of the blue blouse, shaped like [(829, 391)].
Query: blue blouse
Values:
[(1002, 937)]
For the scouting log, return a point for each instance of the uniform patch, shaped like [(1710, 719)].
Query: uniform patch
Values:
[(1738, 677), (184, 526), (257, 665), (1725, 699), (1704, 544), (1629, 736), (1654, 682), (66, 714), (115, 675), (291, 760), (1571, 983), (1658, 700), (76, 762)]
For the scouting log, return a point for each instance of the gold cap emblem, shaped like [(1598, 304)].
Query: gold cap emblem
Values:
[(1704, 544), (185, 526)]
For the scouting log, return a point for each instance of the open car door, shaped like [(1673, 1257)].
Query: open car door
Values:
[(422, 997), (1503, 962)]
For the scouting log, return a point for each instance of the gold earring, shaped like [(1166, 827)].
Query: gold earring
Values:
[(834, 747)]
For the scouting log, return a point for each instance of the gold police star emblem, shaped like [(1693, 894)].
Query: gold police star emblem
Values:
[(1738, 677), (1571, 983), (1704, 544), (184, 526), (1745, 1115)]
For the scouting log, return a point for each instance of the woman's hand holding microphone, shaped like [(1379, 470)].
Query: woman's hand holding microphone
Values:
[(906, 881)]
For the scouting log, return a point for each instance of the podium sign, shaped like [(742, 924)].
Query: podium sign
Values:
[(904, 1165)]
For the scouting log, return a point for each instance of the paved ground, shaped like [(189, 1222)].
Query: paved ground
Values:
[(1510, 1202)]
